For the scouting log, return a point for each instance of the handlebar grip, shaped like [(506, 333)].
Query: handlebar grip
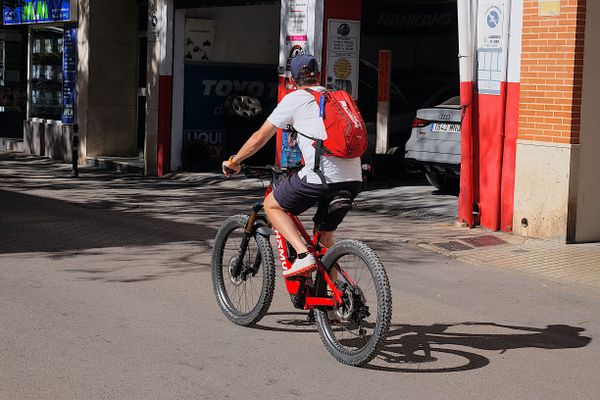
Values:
[(229, 170)]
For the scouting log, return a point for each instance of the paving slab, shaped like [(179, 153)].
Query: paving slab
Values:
[(414, 214)]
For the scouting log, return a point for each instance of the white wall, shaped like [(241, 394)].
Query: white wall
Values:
[(244, 34), (588, 195)]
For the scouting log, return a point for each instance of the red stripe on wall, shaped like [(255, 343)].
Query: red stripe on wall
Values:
[(491, 145), (513, 94), (165, 86), (465, 200)]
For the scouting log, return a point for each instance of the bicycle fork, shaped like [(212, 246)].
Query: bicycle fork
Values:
[(247, 235)]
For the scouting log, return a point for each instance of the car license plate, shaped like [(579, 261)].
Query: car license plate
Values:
[(445, 127)]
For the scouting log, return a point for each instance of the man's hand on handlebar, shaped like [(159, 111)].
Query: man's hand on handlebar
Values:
[(229, 168)]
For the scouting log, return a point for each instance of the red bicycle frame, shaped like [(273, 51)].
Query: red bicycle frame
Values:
[(294, 285)]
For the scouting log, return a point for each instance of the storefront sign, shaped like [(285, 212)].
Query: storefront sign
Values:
[(383, 81), (415, 18), (199, 39), (343, 44), (69, 75), (213, 97), (549, 8), (36, 11), (298, 27)]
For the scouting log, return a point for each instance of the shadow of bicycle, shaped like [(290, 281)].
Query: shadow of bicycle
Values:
[(433, 348), (294, 322), (441, 347)]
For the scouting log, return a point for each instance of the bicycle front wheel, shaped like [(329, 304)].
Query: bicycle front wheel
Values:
[(244, 298), (355, 332)]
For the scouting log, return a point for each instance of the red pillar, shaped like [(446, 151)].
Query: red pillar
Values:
[(165, 85)]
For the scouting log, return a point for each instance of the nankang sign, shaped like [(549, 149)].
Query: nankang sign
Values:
[(410, 19), (36, 11)]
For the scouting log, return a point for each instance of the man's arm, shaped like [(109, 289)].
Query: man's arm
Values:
[(252, 145)]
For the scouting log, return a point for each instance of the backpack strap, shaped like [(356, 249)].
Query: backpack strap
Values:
[(317, 166), (322, 99), (319, 148), (319, 151)]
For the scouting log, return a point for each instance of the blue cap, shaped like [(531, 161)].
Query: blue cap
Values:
[(302, 61)]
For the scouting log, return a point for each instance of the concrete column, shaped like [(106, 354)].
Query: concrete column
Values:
[(83, 74), (107, 77), (157, 150)]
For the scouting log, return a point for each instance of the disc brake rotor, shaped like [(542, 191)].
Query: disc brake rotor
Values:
[(354, 308), (236, 281)]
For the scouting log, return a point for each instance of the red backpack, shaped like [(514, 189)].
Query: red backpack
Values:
[(345, 128)]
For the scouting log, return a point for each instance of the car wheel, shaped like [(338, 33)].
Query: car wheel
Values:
[(443, 182), (243, 106)]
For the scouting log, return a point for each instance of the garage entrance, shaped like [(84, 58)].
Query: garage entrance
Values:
[(423, 39), (227, 78)]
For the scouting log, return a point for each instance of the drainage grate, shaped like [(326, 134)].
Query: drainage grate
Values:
[(483, 241), (454, 246)]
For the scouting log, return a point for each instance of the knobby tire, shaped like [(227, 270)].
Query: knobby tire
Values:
[(327, 330), (221, 276)]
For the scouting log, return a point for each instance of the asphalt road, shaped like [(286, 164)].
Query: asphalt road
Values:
[(102, 303)]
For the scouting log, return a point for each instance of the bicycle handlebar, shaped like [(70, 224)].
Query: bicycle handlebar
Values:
[(267, 171)]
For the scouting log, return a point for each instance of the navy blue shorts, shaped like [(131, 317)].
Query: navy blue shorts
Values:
[(296, 195)]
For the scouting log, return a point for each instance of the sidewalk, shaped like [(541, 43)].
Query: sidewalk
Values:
[(402, 214)]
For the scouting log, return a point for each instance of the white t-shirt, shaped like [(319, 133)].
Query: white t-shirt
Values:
[(300, 109)]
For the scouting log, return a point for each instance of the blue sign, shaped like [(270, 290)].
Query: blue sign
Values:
[(35, 11), (69, 75), (224, 104), (493, 18)]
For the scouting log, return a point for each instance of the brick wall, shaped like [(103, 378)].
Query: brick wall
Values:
[(552, 73)]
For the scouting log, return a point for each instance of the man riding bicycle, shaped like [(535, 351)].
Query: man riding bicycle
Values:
[(300, 191)]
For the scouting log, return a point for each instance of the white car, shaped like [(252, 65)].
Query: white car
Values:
[(434, 146)]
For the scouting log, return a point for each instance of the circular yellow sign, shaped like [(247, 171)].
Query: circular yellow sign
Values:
[(342, 69)]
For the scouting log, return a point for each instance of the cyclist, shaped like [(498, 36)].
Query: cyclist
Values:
[(300, 191)]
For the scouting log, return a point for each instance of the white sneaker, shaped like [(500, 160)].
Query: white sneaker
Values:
[(301, 266)]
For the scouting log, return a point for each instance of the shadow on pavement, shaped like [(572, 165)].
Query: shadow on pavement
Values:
[(38, 224), (432, 349), (293, 321), (425, 349)]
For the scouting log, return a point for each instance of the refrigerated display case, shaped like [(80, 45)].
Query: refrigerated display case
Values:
[(46, 73)]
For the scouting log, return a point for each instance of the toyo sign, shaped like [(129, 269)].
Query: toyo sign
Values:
[(36, 11)]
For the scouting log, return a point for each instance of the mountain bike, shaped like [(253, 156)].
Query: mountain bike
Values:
[(348, 296)]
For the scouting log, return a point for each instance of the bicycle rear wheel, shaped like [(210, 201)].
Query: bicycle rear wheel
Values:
[(244, 299), (355, 332)]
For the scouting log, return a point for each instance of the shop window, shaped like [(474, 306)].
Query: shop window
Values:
[(47, 73), (13, 88)]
